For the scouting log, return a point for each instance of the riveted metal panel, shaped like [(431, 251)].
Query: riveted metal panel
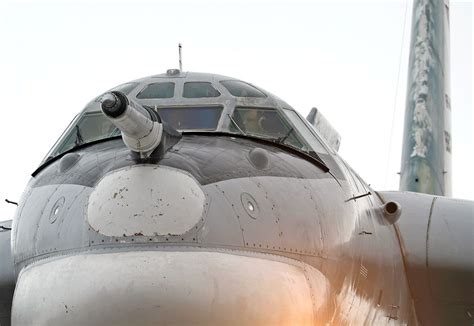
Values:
[(299, 223), (221, 225), (28, 221), (147, 200), (283, 214), (260, 230), (61, 225)]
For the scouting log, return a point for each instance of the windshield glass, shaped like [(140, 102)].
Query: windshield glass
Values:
[(267, 123), (191, 118), (281, 126), (92, 125), (89, 127), (304, 130)]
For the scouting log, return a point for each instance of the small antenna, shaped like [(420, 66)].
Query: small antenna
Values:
[(180, 62)]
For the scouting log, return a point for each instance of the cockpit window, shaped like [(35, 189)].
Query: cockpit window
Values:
[(191, 118), (157, 90), (125, 88), (90, 126), (304, 130), (199, 89), (240, 89), (266, 123)]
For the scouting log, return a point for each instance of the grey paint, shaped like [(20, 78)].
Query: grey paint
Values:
[(270, 216), (7, 277), (324, 128), (160, 288), (311, 228), (438, 240)]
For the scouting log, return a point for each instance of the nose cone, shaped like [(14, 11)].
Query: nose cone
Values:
[(166, 287)]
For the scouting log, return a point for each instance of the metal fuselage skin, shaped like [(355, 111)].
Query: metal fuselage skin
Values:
[(220, 229), (279, 245)]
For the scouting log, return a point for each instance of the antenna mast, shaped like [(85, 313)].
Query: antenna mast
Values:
[(180, 61)]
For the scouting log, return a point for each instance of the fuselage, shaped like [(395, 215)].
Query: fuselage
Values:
[(222, 228)]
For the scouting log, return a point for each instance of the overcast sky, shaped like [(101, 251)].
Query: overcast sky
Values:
[(348, 58)]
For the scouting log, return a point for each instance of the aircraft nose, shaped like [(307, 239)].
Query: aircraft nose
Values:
[(167, 287)]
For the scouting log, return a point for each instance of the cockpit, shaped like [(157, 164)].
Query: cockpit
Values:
[(196, 102)]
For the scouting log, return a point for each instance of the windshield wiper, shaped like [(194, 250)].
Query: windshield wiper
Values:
[(79, 140), (281, 140), (235, 124)]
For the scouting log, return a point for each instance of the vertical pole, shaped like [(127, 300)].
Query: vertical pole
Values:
[(426, 153), (180, 61)]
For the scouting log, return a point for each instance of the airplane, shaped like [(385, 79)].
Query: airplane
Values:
[(195, 198)]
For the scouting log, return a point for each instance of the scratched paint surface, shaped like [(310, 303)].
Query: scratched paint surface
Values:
[(145, 200), (427, 137)]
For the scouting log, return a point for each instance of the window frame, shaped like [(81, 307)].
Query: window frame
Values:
[(240, 81), (200, 82), (155, 98)]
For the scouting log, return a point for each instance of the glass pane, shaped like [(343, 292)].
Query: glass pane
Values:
[(241, 89), (199, 89), (157, 90), (92, 126), (125, 88), (267, 123), (303, 129), (192, 118)]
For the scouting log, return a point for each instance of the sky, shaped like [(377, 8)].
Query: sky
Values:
[(347, 58)]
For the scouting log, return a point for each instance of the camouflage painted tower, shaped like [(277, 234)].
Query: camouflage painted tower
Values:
[(426, 154)]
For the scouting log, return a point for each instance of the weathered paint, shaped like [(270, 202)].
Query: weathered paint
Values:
[(145, 200), (426, 152), (260, 200)]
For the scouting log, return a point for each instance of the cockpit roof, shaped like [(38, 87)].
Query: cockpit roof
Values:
[(224, 95)]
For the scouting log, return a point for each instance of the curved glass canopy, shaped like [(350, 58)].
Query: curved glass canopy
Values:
[(281, 126), (199, 103)]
